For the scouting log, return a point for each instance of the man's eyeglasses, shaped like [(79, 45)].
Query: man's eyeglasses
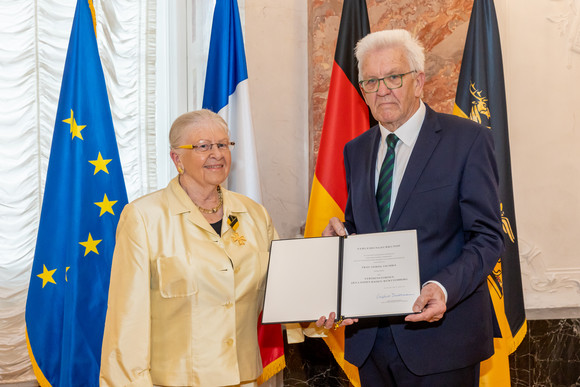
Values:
[(201, 148), (394, 81)]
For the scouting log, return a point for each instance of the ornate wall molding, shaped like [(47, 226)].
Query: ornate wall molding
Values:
[(546, 287)]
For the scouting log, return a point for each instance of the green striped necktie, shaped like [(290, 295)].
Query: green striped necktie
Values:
[(386, 181)]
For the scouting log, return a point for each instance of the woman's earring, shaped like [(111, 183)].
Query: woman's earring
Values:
[(180, 170)]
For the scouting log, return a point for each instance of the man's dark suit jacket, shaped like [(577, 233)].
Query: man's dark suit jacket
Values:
[(449, 194)]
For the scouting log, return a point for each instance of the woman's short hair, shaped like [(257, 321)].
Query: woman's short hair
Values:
[(191, 121), (391, 38)]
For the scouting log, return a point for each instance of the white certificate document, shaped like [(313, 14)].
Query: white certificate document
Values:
[(358, 276), (302, 280), (383, 270)]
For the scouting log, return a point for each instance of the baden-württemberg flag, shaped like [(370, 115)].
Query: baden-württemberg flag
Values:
[(346, 116), (481, 97), (226, 93), (83, 198)]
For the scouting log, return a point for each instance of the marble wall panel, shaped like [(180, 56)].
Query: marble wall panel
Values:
[(311, 364), (549, 355)]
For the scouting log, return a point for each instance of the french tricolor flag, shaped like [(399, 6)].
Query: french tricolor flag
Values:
[(226, 93)]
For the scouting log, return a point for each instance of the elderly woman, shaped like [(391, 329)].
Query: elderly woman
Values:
[(188, 273)]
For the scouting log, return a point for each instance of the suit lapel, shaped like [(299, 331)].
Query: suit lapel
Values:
[(369, 165), (426, 143)]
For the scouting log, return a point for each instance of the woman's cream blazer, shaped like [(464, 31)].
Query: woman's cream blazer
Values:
[(183, 301)]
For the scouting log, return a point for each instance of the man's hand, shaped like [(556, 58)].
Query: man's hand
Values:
[(431, 304), (334, 228), (328, 323)]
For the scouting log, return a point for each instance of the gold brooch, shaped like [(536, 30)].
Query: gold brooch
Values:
[(239, 239)]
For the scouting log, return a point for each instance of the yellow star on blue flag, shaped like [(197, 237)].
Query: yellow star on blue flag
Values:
[(67, 296), (46, 276), (106, 205), (100, 164), (75, 130)]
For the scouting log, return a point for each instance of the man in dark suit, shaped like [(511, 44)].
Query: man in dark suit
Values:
[(442, 181)]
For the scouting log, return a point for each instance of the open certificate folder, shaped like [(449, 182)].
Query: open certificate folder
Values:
[(356, 276)]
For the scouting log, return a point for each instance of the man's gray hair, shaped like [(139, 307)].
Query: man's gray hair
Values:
[(391, 38)]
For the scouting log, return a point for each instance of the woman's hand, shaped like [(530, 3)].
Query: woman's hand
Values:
[(329, 322), (334, 228)]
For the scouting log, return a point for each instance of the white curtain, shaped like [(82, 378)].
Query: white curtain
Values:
[(33, 42)]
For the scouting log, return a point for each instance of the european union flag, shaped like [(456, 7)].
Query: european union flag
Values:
[(83, 198)]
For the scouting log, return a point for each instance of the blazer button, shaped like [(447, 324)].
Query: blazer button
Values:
[(228, 304), (230, 342)]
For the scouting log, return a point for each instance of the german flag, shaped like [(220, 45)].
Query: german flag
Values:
[(346, 116), (481, 98)]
